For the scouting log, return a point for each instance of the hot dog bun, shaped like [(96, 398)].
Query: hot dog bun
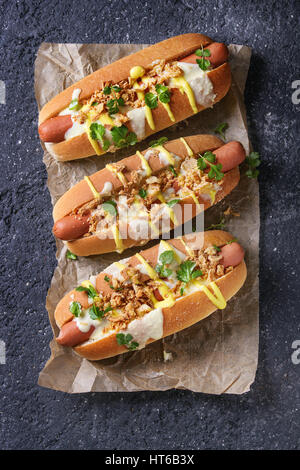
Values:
[(171, 49), (186, 311), (81, 193)]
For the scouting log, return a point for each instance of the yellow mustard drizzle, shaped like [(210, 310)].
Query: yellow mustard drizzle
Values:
[(163, 288), (119, 174), (189, 150), (218, 299), (184, 87), (167, 154), (169, 111), (145, 164), (118, 240), (119, 265), (189, 250), (92, 188), (193, 196)]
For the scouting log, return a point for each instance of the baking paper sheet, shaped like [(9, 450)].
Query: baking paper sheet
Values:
[(217, 355)]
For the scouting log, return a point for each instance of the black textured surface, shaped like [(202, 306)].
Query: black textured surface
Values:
[(36, 418)]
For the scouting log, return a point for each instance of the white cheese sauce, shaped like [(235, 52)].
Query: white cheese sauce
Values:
[(107, 189), (77, 128), (149, 326), (199, 82), (137, 121)]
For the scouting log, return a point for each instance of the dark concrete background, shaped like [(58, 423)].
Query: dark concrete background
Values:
[(35, 418)]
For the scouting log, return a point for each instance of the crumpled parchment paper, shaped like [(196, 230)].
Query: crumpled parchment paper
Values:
[(217, 355)]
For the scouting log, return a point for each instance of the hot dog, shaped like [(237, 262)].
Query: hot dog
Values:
[(136, 96), (161, 183), (187, 279)]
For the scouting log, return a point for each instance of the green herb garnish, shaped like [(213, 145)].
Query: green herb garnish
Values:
[(91, 291), (231, 241), (126, 340), (74, 105), (217, 248), (122, 137), (110, 207), (143, 193), (186, 271), (96, 314), (221, 128), (106, 279), (151, 100), (107, 90), (172, 169), (209, 159), (161, 141), (203, 63), (253, 161), (75, 308), (173, 202), (219, 226), (163, 92), (167, 257), (70, 255), (97, 132)]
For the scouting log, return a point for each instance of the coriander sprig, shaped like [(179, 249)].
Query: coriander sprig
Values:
[(219, 226), (96, 314), (122, 137), (186, 272), (160, 141), (167, 257), (126, 340), (209, 159), (75, 308), (97, 132), (70, 255), (91, 291), (221, 129), (203, 62), (253, 161)]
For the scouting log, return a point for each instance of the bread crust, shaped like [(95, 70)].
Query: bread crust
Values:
[(170, 49), (184, 313)]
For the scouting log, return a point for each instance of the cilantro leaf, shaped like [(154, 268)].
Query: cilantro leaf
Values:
[(173, 202), (221, 128), (161, 141), (219, 226), (186, 272), (143, 193), (74, 105), (122, 137), (96, 314), (97, 132), (107, 90), (91, 291), (163, 92), (172, 169), (75, 308), (203, 52), (208, 159), (151, 100), (110, 207), (70, 255), (167, 257), (253, 161), (126, 340)]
